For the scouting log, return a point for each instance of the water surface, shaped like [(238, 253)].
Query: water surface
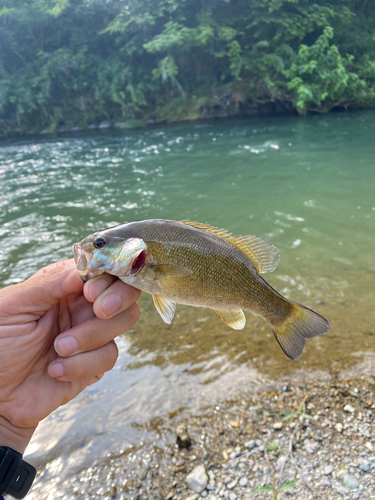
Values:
[(307, 184)]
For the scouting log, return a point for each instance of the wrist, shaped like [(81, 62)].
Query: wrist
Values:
[(14, 437)]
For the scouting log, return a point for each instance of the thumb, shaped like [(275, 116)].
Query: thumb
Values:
[(43, 290)]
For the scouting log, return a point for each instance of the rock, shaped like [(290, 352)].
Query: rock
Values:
[(197, 479), (277, 426), (328, 470), (183, 438), (343, 491), (369, 446), (232, 484), (349, 408), (341, 473), (325, 483), (338, 427), (104, 125), (310, 446), (281, 461), (351, 482), (225, 455), (232, 496), (75, 129), (250, 444), (243, 481), (364, 467), (234, 423), (91, 127), (119, 125)]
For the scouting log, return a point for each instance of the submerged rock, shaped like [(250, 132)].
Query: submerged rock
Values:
[(183, 438)]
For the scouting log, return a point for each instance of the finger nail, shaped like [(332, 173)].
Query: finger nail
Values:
[(66, 346), (56, 370), (111, 304), (97, 288)]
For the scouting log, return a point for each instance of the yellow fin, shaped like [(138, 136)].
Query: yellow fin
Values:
[(263, 254), (234, 318), (165, 308), (171, 271), (302, 324)]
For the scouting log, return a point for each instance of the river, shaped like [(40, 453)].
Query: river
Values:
[(306, 184)]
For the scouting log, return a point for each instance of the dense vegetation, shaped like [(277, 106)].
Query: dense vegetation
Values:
[(78, 62)]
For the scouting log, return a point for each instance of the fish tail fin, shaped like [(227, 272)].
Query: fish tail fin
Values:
[(299, 326)]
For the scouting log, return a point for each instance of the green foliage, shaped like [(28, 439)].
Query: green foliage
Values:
[(76, 62), (276, 489)]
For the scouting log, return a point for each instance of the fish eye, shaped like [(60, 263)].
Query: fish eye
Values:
[(100, 242)]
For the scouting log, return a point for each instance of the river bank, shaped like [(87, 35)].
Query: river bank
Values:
[(307, 441)]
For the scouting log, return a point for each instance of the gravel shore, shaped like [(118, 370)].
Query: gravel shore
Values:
[(313, 441)]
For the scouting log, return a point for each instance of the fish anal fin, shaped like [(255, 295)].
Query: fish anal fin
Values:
[(263, 254), (302, 324), (166, 308), (171, 271), (234, 318)]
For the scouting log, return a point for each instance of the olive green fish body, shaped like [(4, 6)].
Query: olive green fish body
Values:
[(202, 266)]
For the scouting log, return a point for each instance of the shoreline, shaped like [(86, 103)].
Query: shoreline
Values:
[(326, 447)]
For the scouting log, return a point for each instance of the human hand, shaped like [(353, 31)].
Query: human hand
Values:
[(56, 338)]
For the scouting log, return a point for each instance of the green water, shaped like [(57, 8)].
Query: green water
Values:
[(307, 184)]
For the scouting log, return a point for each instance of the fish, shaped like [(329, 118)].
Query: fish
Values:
[(199, 265)]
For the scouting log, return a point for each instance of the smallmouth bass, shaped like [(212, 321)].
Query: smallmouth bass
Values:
[(203, 266)]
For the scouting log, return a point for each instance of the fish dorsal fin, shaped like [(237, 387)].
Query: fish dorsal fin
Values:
[(165, 308), (221, 233), (263, 254), (234, 318)]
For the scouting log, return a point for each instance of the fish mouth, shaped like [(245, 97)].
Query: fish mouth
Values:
[(138, 263), (82, 260)]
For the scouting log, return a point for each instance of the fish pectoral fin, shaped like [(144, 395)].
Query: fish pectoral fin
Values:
[(262, 252), (234, 318), (165, 308), (170, 271)]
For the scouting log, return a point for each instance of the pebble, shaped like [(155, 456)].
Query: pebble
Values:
[(351, 482), (197, 479), (277, 426), (369, 446), (349, 408), (338, 427), (250, 444), (232, 484), (243, 481), (328, 470), (364, 467), (343, 491), (341, 473), (232, 496), (326, 483)]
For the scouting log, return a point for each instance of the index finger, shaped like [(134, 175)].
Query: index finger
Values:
[(110, 295)]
